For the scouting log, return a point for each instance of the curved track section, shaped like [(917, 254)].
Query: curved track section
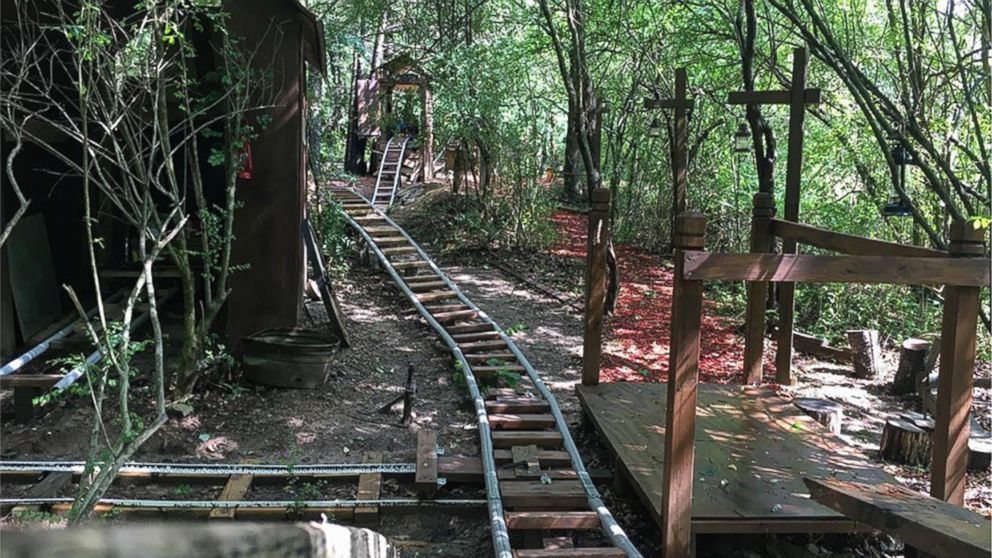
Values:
[(542, 484)]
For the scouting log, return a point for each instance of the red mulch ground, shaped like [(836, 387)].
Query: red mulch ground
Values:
[(637, 336)]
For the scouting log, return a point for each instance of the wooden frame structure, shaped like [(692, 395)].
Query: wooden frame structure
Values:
[(797, 97), (963, 270)]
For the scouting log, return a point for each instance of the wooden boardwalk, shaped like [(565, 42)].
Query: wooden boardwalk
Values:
[(753, 449)]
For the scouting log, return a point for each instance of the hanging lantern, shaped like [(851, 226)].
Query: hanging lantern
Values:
[(655, 129), (742, 139), (247, 165), (897, 206)]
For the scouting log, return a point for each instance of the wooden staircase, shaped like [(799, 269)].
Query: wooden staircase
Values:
[(390, 172)]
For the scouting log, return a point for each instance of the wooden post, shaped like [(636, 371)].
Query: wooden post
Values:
[(427, 134), (683, 372), (793, 183), (957, 368), (680, 140), (598, 238), (757, 292)]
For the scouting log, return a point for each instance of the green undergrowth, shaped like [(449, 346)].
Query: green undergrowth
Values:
[(898, 312), (463, 223)]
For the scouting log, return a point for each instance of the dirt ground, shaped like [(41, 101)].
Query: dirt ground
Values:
[(234, 421)]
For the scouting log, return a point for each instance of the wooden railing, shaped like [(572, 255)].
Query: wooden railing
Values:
[(963, 270)]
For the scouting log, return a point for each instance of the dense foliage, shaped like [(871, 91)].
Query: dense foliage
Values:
[(893, 74)]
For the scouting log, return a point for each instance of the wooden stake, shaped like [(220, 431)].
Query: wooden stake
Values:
[(683, 372), (598, 240), (757, 292), (957, 367)]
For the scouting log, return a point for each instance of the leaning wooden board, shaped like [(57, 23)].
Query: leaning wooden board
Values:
[(753, 449), (928, 524)]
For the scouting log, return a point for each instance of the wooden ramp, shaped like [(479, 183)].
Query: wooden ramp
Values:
[(753, 449)]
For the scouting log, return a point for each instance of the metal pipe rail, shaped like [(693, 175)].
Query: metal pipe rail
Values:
[(219, 470), (500, 536), (249, 504), (74, 374), (40, 349)]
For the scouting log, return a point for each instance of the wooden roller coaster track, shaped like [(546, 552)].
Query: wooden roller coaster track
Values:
[(550, 489)]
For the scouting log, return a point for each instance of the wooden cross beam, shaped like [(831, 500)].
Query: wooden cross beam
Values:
[(797, 97), (680, 160)]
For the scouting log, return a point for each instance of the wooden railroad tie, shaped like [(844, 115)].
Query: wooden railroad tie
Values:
[(369, 488), (236, 488), (425, 478)]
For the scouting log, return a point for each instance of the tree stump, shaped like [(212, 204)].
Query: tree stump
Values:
[(903, 441), (979, 447), (867, 352), (826, 412), (912, 366)]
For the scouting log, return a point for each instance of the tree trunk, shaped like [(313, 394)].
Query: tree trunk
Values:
[(912, 366), (904, 441), (828, 413), (867, 352)]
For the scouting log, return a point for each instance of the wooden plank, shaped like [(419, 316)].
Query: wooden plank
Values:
[(482, 372), (927, 524), (481, 346), (469, 328), (848, 243), (815, 346), (425, 477), (478, 336), (424, 287), (749, 436), (524, 421), (369, 488), (409, 265), (780, 97), (557, 495), (458, 315), (517, 405), (683, 376), (236, 488), (597, 242), (434, 297), (573, 521), (526, 438), (485, 358), (31, 273), (971, 272), (43, 381)]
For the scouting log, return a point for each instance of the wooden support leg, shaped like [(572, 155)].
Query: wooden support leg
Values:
[(784, 339), (757, 293), (957, 368), (597, 243), (680, 419)]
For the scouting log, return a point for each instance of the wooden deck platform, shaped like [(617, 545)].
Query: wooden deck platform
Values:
[(753, 449)]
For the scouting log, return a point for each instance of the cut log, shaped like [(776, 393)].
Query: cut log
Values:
[(912, 366), (867, 353), (905, 442), (813, 345), (826, 412), (979, 447)]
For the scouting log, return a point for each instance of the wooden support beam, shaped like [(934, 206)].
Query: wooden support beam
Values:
[(235, 489), (369, 488), (848, 243), (757, 292), (957, 369), (703, 266), (810, 97), (926, 524), (40, 381), (425, 478), (597, 242), (793, 188), (683, 376)]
